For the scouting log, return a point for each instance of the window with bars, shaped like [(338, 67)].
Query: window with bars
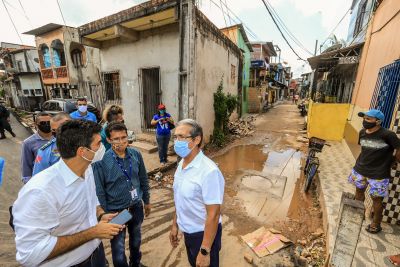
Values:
[(112, 85)]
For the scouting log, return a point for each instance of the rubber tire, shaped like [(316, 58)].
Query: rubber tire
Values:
[(310, 177)]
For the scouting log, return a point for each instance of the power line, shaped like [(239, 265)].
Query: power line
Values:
[(286, 29), (247, 29), (62, 15), (12, 21), (337, 25), (284, 37)]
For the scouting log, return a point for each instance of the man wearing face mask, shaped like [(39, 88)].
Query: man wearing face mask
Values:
[(48, 154), (82, 113), (31, 145), (198, 195), (374, 163), (122, 183), (55, 215)]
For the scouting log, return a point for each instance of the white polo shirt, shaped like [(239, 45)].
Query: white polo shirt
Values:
[(201, 183), (55, 202)]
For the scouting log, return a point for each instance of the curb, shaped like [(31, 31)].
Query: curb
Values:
[(29, 129)]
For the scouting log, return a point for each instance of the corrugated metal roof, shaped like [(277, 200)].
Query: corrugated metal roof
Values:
[(44, 29)]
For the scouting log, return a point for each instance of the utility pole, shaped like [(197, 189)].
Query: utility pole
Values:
[(316, 45)]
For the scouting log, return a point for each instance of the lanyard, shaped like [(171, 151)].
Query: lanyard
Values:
[(129, 178)]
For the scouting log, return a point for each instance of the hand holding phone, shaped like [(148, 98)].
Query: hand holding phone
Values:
[(122, 218)]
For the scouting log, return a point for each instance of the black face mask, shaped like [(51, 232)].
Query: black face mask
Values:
[(44, 126), (368, 125)]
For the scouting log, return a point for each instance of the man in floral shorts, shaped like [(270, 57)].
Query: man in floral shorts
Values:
[(374, 163)]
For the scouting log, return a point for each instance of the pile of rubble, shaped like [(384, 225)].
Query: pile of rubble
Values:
[(159, 180), (242, 127), (311, 251)]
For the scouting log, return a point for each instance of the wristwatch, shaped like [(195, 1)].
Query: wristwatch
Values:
[(204, 251)]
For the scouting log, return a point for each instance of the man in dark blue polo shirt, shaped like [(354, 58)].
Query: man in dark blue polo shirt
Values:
[(122, 183)]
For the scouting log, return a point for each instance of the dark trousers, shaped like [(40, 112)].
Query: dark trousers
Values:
[(5, 125), (163, 142), (135, 239), (97, 259), (193, 244)]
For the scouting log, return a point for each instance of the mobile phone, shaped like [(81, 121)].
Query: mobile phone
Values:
[(122, 218)]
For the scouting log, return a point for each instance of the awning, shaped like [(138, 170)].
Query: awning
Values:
[(347, 55)]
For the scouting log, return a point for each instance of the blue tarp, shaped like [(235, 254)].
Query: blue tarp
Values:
[(2, 161), (56, 58), (46, 57)]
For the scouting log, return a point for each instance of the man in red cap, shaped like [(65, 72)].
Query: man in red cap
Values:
[(165, 124)]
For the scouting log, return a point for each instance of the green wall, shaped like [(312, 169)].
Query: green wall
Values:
[(246, 71)]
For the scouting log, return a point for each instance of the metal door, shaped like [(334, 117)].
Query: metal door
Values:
[(150, 79), (386, 91)]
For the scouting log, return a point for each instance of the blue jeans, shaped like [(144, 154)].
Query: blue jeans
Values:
[(163, 142), (135, 239)]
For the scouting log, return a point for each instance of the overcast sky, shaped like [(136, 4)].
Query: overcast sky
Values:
[(308, 20)]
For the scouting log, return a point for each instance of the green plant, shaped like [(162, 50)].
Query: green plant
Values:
[(224, 105)]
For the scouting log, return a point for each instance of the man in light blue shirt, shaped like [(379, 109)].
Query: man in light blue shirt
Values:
[(48, 154), (82, 113)]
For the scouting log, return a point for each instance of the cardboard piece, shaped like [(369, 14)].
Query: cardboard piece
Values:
[(266, 241)]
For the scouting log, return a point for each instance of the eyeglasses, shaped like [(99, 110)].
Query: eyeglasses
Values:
[(120, 140), (44, 123), (181, 137)]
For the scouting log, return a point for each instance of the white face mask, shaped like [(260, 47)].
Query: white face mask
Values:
[(99, 153)]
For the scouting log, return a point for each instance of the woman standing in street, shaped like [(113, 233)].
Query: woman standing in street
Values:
[(165, 124)]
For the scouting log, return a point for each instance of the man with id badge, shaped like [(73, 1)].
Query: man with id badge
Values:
[(122, 184)]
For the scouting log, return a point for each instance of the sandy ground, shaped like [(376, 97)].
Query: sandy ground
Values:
[(261, 173)]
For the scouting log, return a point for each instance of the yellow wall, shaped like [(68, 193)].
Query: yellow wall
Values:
[(327, 121)]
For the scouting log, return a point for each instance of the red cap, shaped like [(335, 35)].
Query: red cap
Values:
[(161, 106)]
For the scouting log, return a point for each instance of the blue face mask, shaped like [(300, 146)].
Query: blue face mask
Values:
[(182, 148), (162, 112)]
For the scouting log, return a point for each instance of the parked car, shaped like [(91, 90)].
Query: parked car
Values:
[(55, 106)]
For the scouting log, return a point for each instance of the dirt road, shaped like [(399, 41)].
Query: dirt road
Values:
[(10, 150)]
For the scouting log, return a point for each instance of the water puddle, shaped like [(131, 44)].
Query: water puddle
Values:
[(266, 179)]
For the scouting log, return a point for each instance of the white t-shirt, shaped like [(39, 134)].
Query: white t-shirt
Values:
[(55, 202), (201, 183)]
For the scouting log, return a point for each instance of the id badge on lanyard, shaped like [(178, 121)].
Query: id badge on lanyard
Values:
[(133, 191)]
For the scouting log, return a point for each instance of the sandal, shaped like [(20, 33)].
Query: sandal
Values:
[(373, 230), (392, 261)]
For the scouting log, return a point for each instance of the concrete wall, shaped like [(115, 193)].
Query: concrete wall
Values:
[(213, 63), (161, 50), (327, 121), (29, 59), (382, 47)]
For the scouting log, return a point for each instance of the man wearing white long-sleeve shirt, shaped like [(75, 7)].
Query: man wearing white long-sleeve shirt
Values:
[(198, 194), (55, 216)]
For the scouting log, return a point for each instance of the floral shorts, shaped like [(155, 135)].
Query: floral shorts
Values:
[(378, 188)]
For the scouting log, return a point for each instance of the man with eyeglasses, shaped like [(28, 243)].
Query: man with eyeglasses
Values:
[(198, 195), (48, 154), (82, 113), (31, 145), (122, 183)]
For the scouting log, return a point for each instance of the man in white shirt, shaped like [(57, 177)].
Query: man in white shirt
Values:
[(198, 194), (55, 214)]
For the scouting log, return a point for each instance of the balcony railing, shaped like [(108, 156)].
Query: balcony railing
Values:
[(61, 72), (47, 73)]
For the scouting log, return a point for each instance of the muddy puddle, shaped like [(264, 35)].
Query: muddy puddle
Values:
[(263, 179)]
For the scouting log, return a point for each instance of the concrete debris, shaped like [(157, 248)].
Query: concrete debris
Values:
[(242, 127), (159, 180), (311, 251), (302, 139), (248, 258)]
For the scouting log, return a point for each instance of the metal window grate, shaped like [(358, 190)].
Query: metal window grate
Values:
[(386, 91), (112, 85)]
